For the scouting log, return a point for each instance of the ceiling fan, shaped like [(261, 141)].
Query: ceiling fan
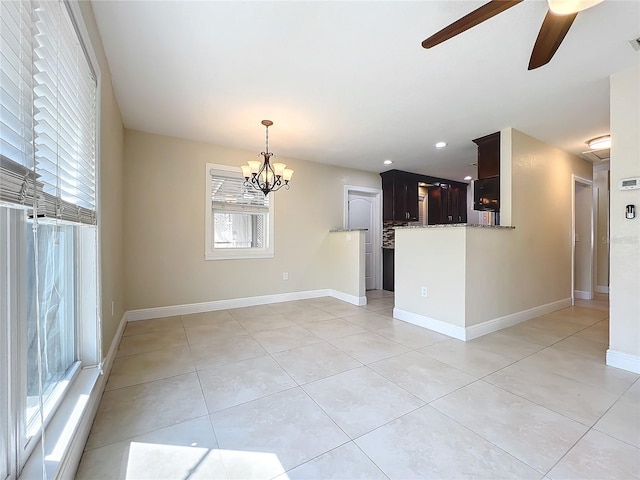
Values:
[(555, 26)]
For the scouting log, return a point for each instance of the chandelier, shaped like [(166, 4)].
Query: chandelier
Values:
[(264, 176)]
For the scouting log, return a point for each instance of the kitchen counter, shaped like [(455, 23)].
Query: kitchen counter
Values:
[(454, 225), (337, 230)]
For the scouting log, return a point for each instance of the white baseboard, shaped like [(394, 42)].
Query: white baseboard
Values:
[(602, 289), (490, 326), (439, 326), (187, 309), (624, 361), (582, 295), (345, 297), (475, 331)]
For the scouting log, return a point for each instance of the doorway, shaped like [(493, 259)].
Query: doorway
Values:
[(582, 277), (363, 211)]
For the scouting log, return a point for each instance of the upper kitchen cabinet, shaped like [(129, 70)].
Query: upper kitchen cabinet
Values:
[(447, 203), (488, 155), (399, 196), (487, 188)]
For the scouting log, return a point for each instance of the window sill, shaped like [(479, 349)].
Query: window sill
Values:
[(237, 255), (67, 429)]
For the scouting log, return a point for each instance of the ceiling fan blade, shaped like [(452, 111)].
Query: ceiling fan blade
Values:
[(470, 20), (553, 30)]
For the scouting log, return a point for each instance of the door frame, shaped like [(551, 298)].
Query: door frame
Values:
[(575, 180), (376, 231)]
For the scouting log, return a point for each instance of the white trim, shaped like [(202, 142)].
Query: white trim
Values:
[(64, 447), (79, 21), (187, 309), (490, 326), (624, 361), (584, 181), (345, 297), (484, 328), (107, 362), (376, 234), (439, 326), (602, 289), (211, 253), (582, 295)]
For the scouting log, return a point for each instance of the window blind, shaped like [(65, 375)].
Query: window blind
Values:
[(56, 115), (228, 192), (17, 177)]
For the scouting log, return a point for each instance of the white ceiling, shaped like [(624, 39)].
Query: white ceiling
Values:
[(348, 83)]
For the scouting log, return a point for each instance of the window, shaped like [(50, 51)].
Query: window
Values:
[(239, 219), (48, 234)]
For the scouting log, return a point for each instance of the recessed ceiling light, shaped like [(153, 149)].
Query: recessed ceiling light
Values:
[(600, 143), (440, 144), (388, 162), (468, 177)]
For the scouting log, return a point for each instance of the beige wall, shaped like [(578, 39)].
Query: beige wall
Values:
[(475, 275), (625, 234), (164, 225), (347, 263), (541, 190), (110, 175), (491, 276), (601, 185), (432, 258)]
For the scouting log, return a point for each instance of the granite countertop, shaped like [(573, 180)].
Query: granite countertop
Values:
[(453, 225), (337, 230)]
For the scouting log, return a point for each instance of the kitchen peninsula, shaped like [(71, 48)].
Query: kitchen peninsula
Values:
[(448, 278), (467, 281)]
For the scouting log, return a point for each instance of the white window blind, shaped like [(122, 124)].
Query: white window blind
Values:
[(48, 132), (16, 104), (239, 221), (228, 192)]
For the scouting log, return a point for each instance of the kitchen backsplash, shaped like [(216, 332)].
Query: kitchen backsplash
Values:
[(389, 234)]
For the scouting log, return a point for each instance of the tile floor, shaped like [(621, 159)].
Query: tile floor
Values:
[(319, 389)]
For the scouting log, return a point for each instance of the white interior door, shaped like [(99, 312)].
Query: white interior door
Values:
[(583, 240), (361, 209)]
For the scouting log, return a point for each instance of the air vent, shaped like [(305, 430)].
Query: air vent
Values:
[(597, 155), (635, 43)]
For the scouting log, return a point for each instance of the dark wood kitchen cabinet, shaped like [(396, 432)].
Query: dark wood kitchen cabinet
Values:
[(488, 155), (447, 203), (388, 273), (457, 204), (399, 196)]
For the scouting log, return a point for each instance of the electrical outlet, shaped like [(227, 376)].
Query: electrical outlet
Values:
[(285, 275), (424, 291)]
